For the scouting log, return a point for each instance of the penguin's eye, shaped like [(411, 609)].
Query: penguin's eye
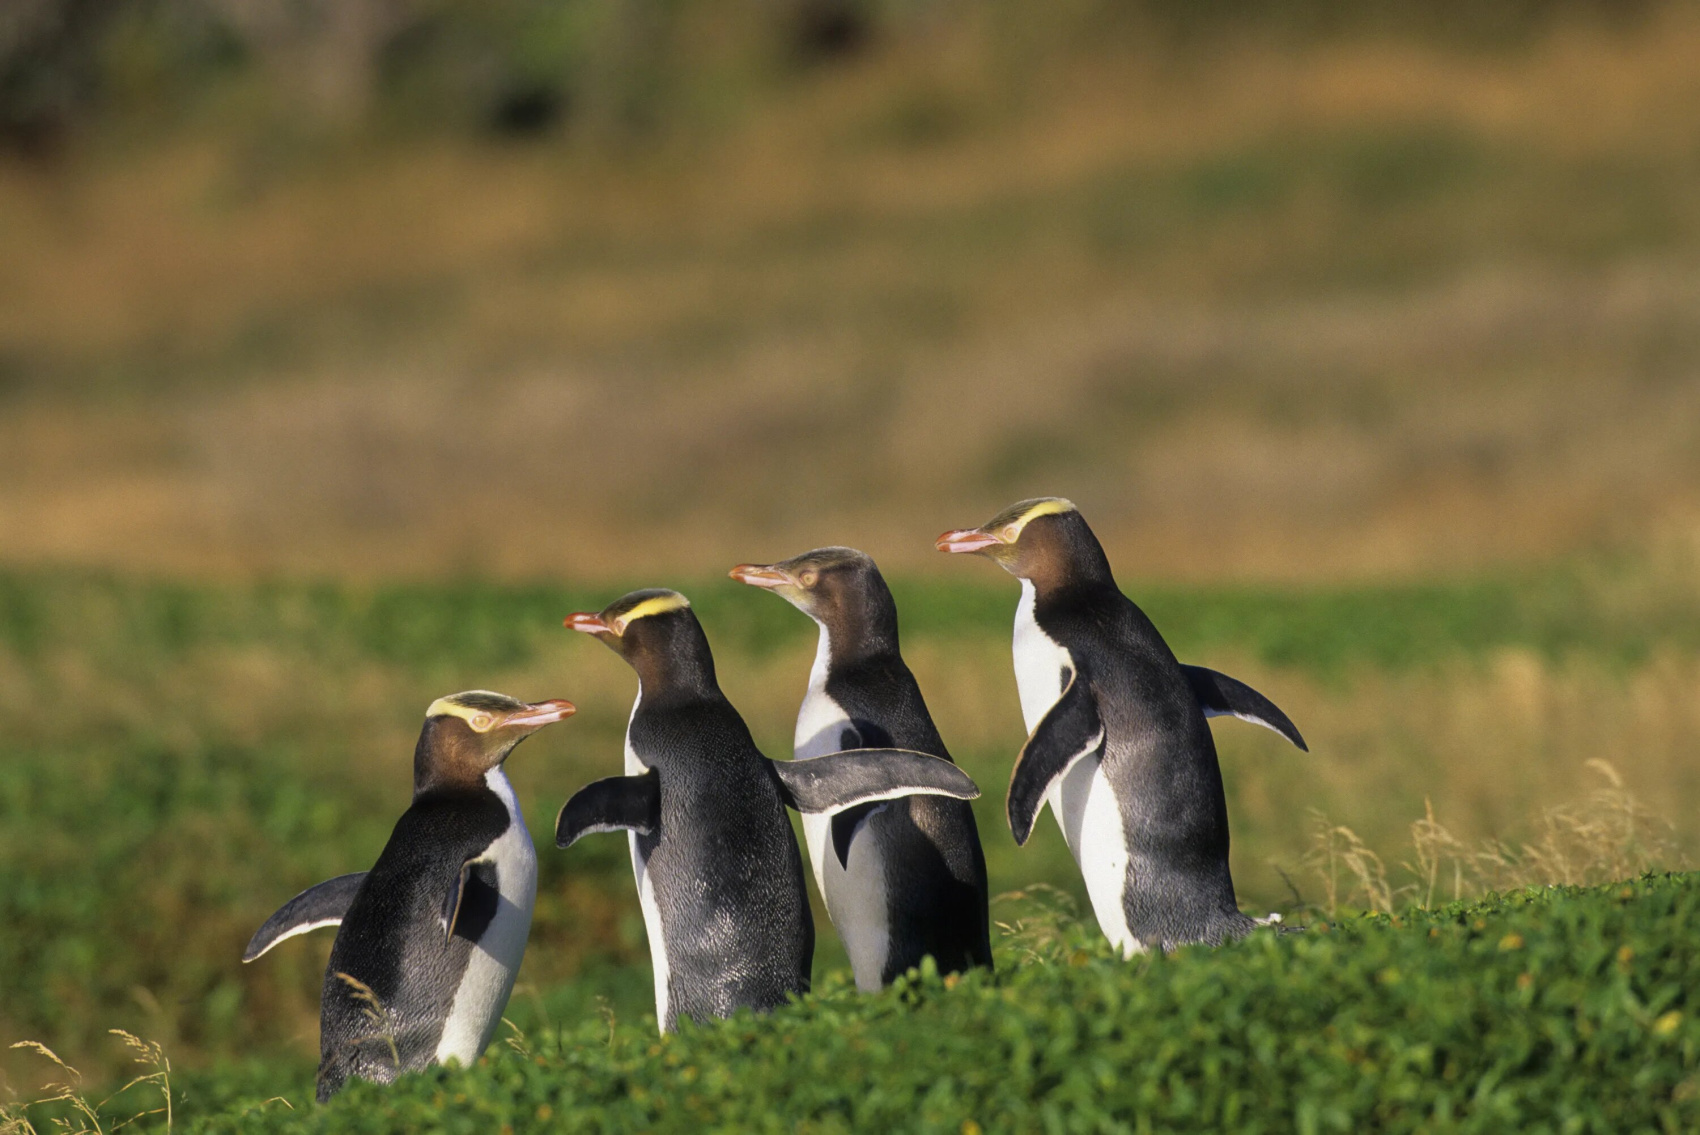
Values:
[(481, 722), (808, 578), (1011, 534)]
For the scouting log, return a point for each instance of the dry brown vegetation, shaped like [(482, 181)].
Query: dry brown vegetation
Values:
[(1609, 835), (1302, 310), (83, 1115)]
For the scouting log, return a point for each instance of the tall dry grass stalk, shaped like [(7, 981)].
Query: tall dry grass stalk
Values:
[(1338, 851), (376, 1014), (1608, 835), (85, 1116)]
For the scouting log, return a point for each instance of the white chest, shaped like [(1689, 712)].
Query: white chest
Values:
[(495, 960), (646, 888), (1040, 662), (820, 721)]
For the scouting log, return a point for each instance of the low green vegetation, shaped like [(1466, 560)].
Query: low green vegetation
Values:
[(1559, 1009)]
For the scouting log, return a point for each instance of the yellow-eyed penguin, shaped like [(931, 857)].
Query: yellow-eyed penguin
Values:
[(718, 874), (1119, 745), (904, 878), (430, 938)]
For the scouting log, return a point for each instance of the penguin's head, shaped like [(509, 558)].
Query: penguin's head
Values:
[(656, 632), (830, 585), (468, 734), (1045, 540)]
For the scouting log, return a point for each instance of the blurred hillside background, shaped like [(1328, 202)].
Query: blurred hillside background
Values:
[(346, 345), (1306, 289)]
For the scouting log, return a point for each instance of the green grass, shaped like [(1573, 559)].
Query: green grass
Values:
[(428, 628), (179, 758), (1561, 1009)]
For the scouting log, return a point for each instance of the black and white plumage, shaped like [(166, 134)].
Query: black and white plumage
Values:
[(903, 879), (430, 938), (1119, 744), (718, 874)]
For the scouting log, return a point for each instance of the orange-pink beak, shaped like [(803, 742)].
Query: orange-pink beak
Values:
[(966, 540), (758, 575), (542, 713), (589, 622)]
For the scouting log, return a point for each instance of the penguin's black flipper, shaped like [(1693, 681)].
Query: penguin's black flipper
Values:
[(470, 902), (315, 907), (830, 784), (617, 804), (1222, 696), (1069, 730), (844, 825)]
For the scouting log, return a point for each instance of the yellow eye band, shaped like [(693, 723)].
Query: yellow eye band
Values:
[(480, 720), (1048, 507), (655, 605)]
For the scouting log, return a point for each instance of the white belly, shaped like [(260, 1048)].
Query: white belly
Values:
[(646, 890), (1092, 824), (854, 896), (494, 963)]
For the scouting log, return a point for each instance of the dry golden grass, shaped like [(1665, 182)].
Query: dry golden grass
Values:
[(1357, 307), (1500, 754), (1609, 835), (82, 1115)]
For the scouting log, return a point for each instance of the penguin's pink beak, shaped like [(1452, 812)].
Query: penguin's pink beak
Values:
[(966, 540), (542, 713), (758, 575), (588, 622)]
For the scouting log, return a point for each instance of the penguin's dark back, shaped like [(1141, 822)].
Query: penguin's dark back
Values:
[(724, 863), (884, 704), (392, 941), (885, 707)]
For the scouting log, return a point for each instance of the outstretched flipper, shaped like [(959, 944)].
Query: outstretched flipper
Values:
[(470, 902), (1069, 731), (315, 907), (619, 803), (828, 785), (1222, 696)]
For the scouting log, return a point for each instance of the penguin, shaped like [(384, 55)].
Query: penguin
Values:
[(430, 938), (1119, 744), (904, 878), (719, 877)]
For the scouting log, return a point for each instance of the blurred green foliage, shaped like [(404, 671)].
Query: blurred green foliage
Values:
[(429, 627)]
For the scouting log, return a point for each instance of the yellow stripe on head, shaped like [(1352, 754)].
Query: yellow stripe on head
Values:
[(1007, 525), (658, 604), (480, 709)]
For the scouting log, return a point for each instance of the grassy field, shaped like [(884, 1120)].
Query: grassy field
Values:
[(1368, 340), (179, 758)]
